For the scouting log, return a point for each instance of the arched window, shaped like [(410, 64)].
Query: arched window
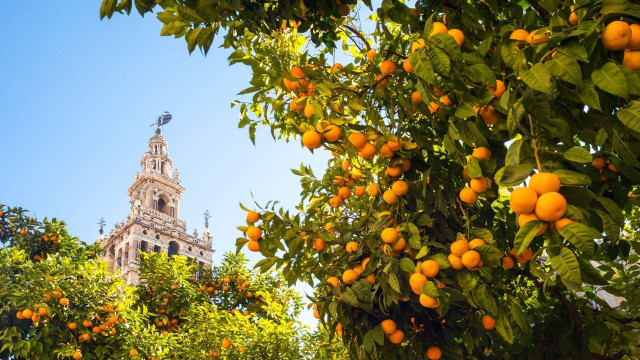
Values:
[(163, 204), (174, 248)]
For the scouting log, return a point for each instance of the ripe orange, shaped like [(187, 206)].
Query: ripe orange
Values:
[(95, 330), (599, 163), (373, 189), (632, 60), (85, 337), (371, 54), (389, 235), (387, 67), (253, 245), (72, 326), (406, 65), (358, 140), (47, 297), (42, 311), (468, 196), (359, 191), (523, 200), (544, 182), (337, 68), (527, 254), (333, 281), (64, 301), (520, 36), (551, 206), (400, 188), (389, 197), (331, 133), (481, 153), (86, 323), (399, 245), (311, 139), (27, 313), (133, 352), (525, 218), (418, 44), (388, 326), (489, 115), (351, 246), (459, 247), (634, 44), (457, 35), (471, 259), (416, 281), (479, 184), (349, 276), (309, 110), (226, 343), (612, 167), (371, 278), (19, 315), (253, 216), (394, 171), (368, 151), (438, 28), (319, 244), (499, 89), (573, 18), (446, 101), (465, 174), (508, 263), (488, 322), (335, 201), (254, 233), (434, 353), (430, 268), (456, 262), (344, 193), (416, 98), (433, 107), (395, 144), (396, 337), (297, 71), (559, 224), (475, 243), (616, 36), (428, 302), (297, 107), (77, 355)]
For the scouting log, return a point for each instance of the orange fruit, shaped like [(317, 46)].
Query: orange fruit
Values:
[(400, 188), (395, 144), (634, 44), (468, 196), (446, 101), (297, 71), (573, 18), (311, 139), (371, 278), (297, 107), (434, 353), (479, 184), (632, 60), (394, 171), (457, 35), (520, 36), (86, 323), (390, 198), (416, 98), (551, 206), (382, 80), (456, 262), (95, 330), (254, 233), (351, 246), (356, 174), (344, 193), (428, 302), (331, 133), (416, 280), (389, 235), (418, 44), (373, 189), (471, 259), (481, 153), (475, 243), (459, 247), (337, 68), (253, 216), (309, 110), (27, 313), (489, 115), (488, 322), (438, 28), (72, 326), (560, 223), (612, 167), (368, 151), (527, 254), (508, 263), (525, 218), (430, 268), (77, 355), (19, 315), (386, 152), (406, 65), (335, 201), (388, 326), (371, 54), (133, 352), (433, 107), (42, 311), (465, 174), (523, 200), (359, 191), (349, 276), (387, 67), (499, 89), (599, 163), (253, 245), (226, 343), (47, 297), (399, 245), (333, 281), (406, 165), (64, 301), (544, 183), (358, 140), (616, 36), (396, 337)]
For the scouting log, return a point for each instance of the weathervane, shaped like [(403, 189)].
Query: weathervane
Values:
[(162, 120), (102, 223), (207, 216)]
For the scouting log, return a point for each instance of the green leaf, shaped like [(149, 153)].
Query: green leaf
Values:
[(440, 60), (490, 254), (526, 234), (588, 94), (565, 68), (482, 233), (611, 79), (442, 261), (483, 74), (423, 252), (613, 209), (568, 177), (512, 175), (578, 154), (422, 67), (538, 78), (447, 43), (504, 328), (514, 118), (590, 274), (349, 297), (474, 168), (630, 115), (519, 317), (566, 265), (582, 237), (464, 111), (407, 265), (486, 300), (393, 282)]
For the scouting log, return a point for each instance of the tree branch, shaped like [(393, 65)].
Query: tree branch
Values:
[(358, 34), (573, 312), (542, 11)]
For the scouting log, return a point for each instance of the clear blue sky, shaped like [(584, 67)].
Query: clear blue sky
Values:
[(77, 96)]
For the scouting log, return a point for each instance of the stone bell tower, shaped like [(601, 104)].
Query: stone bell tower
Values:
[(153, 223)]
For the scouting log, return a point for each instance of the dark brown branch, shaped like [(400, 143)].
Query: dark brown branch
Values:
[(359, 35)]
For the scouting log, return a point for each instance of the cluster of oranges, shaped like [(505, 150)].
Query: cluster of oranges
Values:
[(540, 201), (253, 233), (600, 163), (477, 185), (463, 254), (618, 36)]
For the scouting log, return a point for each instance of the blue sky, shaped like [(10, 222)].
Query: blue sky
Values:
[(77, 96)]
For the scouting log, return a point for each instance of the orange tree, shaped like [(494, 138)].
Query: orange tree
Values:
[(485, 165)]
